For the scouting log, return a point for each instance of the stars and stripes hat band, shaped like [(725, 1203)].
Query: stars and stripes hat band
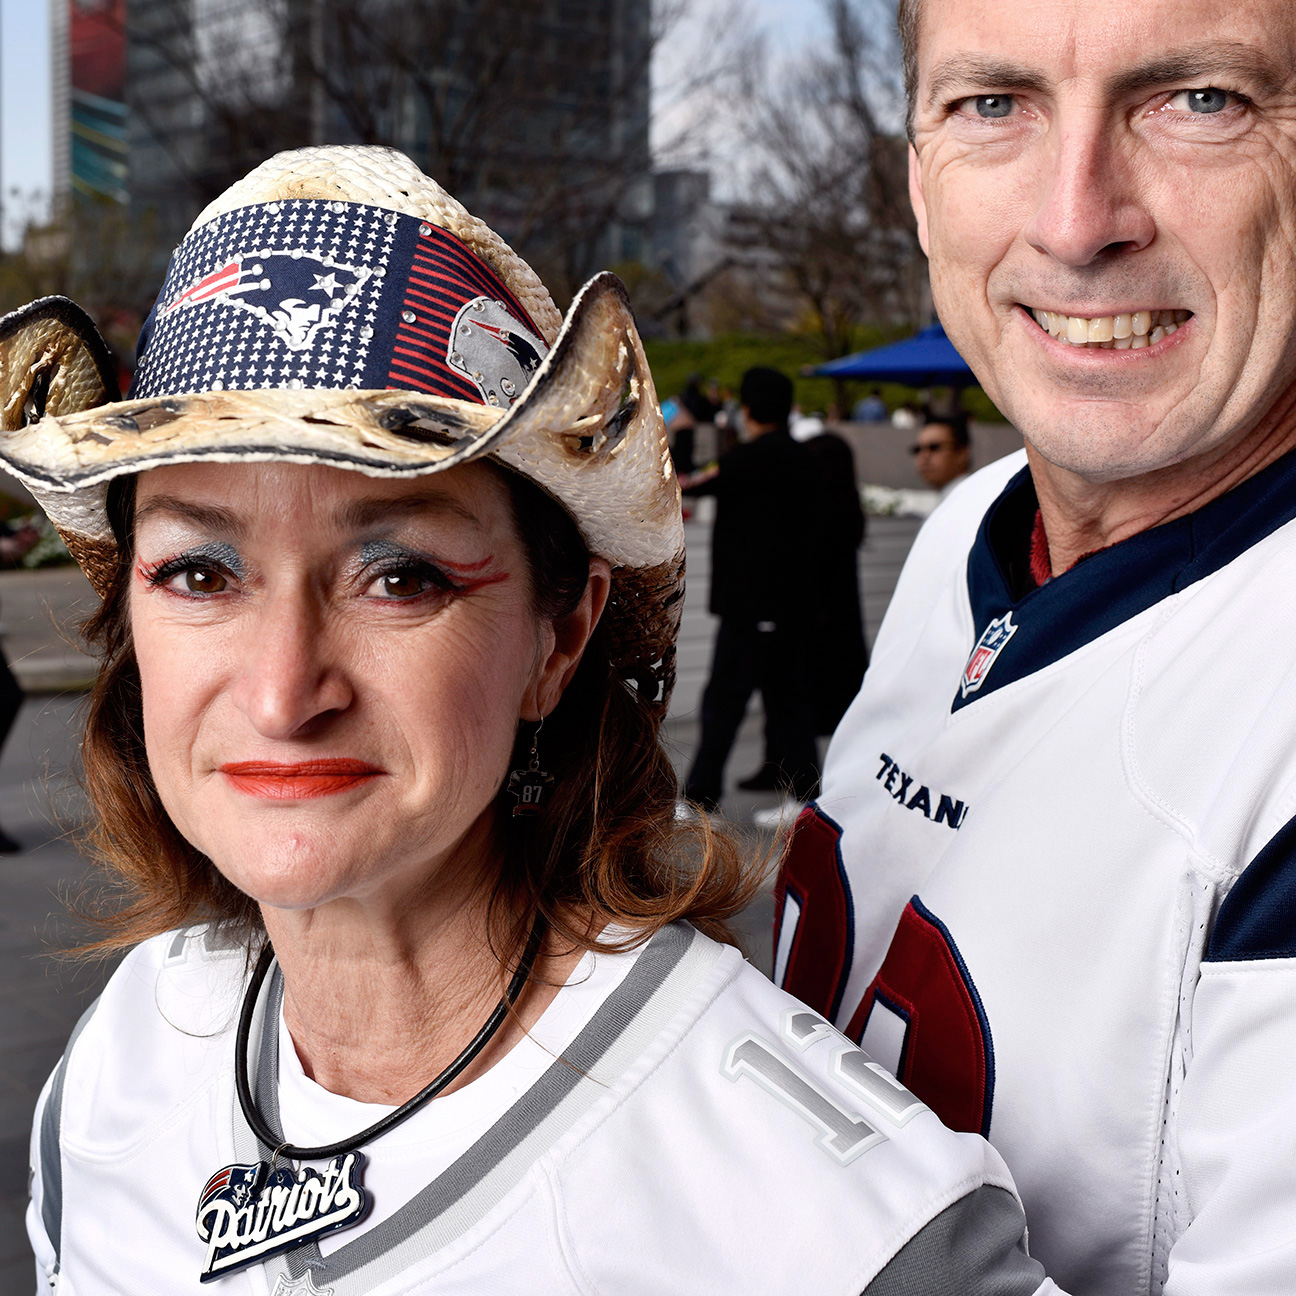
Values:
[(309, 293)]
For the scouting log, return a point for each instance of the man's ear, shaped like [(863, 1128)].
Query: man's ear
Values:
[(564, 644), (917, 199)]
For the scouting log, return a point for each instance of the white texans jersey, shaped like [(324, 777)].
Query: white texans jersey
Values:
[(1051, 878), (695, 1130)]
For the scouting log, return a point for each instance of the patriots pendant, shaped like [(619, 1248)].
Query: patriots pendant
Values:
[(249, 1212)]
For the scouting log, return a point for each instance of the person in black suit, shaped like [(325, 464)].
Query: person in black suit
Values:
[(764, 551)]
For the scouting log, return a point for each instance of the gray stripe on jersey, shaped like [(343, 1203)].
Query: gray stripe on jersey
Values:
[(656, 987), (49, 1148), (977, 1247)]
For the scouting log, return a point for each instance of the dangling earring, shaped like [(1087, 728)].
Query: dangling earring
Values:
[(532, 785)]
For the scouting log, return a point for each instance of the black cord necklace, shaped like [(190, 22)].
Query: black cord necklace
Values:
[(425, 1095), (249, 1212)]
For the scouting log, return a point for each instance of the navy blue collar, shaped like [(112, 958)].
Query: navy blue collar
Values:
[(1021, 629)]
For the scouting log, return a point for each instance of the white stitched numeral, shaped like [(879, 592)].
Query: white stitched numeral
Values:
[(843, 1135), (801, 1028), (880, 1090)]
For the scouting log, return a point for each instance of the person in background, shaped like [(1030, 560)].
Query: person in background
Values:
[(840, 653), (905, 418), (870, 409), (765, 555), (942, 451), (692, 406)]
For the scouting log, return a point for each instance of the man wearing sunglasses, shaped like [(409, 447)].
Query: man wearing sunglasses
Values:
[(942, 453)]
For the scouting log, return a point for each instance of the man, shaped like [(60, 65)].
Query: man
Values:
[(870, 409), (942, 453), (763, 556), (1051, 877)]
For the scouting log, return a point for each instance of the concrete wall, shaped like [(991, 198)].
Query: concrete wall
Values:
[(883, 458)]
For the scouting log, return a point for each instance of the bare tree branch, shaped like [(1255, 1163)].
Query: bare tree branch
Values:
[(828, 193)]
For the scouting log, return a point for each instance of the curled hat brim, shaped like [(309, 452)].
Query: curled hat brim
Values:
[(587, 429)]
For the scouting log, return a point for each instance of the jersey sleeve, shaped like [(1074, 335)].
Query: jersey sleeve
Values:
[(43, 1205), (976, 1247), (1235, 1125)]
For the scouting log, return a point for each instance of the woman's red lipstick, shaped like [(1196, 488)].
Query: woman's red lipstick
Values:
[(299, 780)]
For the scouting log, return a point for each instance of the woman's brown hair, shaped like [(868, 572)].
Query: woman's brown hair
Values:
[(605, 849)]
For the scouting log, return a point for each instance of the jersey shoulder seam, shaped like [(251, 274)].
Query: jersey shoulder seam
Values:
[(908, 1230)]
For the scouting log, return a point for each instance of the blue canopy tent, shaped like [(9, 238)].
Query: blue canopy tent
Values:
[(927, 359)]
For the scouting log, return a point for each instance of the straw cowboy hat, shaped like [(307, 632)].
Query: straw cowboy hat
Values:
[(336, 306)]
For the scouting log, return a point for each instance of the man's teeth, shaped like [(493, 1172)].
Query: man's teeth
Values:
[(1112, 332)]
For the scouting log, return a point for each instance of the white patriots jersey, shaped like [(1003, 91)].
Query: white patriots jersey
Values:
[(1051, 878), (702, 1132)]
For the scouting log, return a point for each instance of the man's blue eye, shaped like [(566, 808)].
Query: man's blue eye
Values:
[(993, 105), (1207, 101)]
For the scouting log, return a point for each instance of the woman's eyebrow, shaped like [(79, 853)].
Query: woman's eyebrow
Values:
[(365, 513), (209, 517)]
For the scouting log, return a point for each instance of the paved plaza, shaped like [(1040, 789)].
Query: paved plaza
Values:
[(42, 992)]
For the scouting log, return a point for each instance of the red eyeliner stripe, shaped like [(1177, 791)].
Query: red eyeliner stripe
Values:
[(467, 587), (467, 567)]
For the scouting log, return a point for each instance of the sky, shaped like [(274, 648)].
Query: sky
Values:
[(25, 105)]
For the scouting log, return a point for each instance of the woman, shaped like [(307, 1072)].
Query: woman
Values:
[(423, 995)]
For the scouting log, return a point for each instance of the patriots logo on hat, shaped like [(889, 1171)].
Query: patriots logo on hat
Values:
[(492, 347), (294, 293), (994, 639)]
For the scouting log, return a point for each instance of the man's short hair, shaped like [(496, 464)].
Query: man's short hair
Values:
[(957, 424), (907, 16), (767, 393)]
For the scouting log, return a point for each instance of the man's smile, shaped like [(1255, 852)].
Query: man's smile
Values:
[(1127, 331)]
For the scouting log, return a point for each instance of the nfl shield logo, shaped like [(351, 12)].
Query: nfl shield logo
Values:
[(994, 639)]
